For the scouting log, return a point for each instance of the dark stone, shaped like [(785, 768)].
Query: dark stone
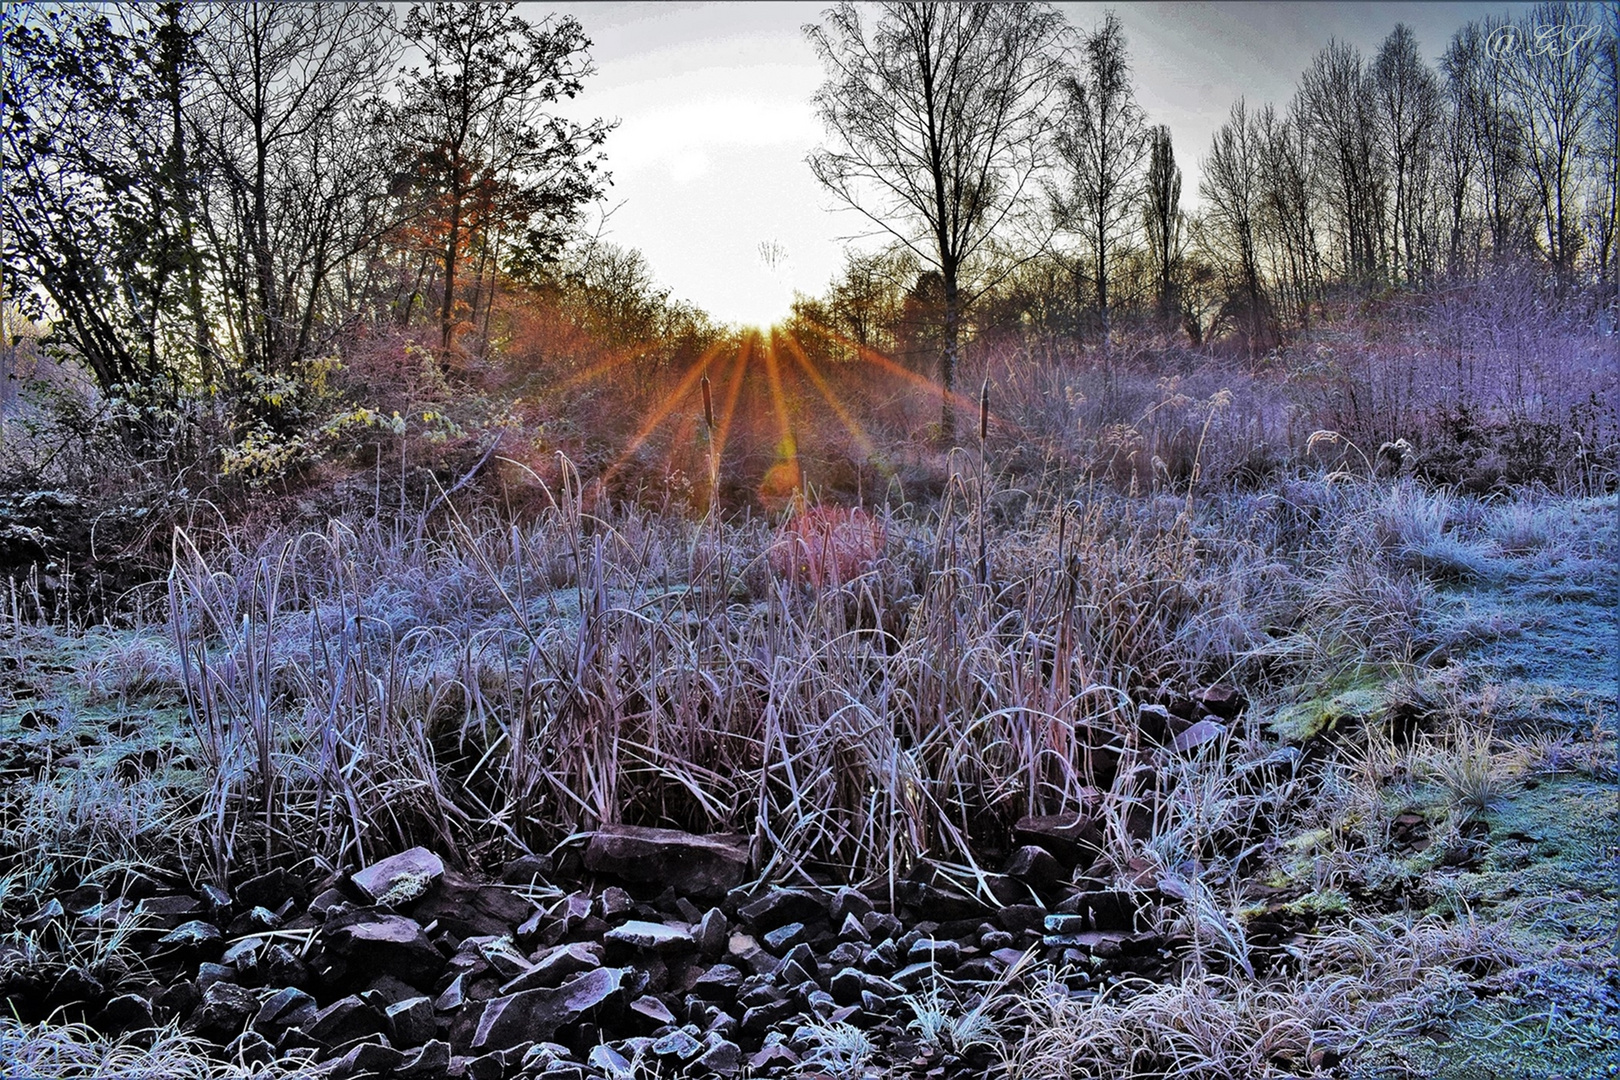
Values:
[(651, 937), (609, 1062), (614, 903), (410, 1022), (1035, 867), (467, 909), (978, 969), (288, 1007), (852, 930), (1020, 917), (847, 902), (540, 1014), (880, 925), (551, 966), (1074, 839), (251, 1048), (779, 907), (343, 1021), (126, 1012), (431, 1061), (153, 913), (784, 937), (254, 920), (652, 1010), (371, 1058), (526, 869), (1224, 701), (179, 1000), (1205, 731), (223, 1012), (719, 983), (270, 890), (946, 953), (701, 866), (761, 1018), (846, 954), (937, 904), (712, 932), (75, 986), (282, 966), (400, 878), (678, 1044), (382, 942)]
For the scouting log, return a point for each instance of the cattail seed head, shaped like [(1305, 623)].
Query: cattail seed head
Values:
[(984, 410), (708, 405)]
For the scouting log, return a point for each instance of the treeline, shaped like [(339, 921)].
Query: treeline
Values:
[(1382, 172), (225, 202), (213, 195)]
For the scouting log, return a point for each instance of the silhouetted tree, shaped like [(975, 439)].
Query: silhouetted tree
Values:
[(480, 150), (937, 117), (1163, 220), (1103, 142)]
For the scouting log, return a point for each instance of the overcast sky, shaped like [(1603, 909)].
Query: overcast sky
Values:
[(713, 101)]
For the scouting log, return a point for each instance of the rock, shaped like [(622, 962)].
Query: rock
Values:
[(1007, 957), (614, 903), (1074, 839), (774, 1059), (609, 1062), (179, 1000), (847, 902), (650, 1008), (400, 879), (712, 932), (978, 969), (467, 909), (881, 926), (223, 1012), (701, 866), (1224, 701), (371, 1058), (284, 967), (852, 930), (124, 1013), (943, 952), (678, 1044), (254, 920), (526, 869), (383, 942), (270, 890), (651, 937), (784, 937), (157, 912), (540, 1014), (1035, 867), (549, 967), (1158, 724), (343, 1021), (288, 1007), (1205, 731), (719, 983), (73, 987), (779, 907), (251, 1048), (410, 1022), (431, 1061)]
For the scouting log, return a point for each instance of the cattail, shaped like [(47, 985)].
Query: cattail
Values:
[(708, 405), (984, 410)]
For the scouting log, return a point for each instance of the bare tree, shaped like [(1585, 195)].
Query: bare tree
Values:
[(936, 117), (1233, 197), (1162, 218), (1103, 142), (1286, 220), (1335, 104), (282, 104), (480, 147), (1555, 75), (1407, 96)]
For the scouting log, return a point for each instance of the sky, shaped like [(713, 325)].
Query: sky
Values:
[(715, 121)]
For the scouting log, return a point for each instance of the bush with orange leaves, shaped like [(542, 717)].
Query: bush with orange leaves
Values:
[(827, 545)]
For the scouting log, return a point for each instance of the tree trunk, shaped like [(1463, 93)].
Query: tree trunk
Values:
[(948, 358)]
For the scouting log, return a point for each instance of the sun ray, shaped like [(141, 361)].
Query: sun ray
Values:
[(739, 367), (819, 381), (674, 399), (789, 448)]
